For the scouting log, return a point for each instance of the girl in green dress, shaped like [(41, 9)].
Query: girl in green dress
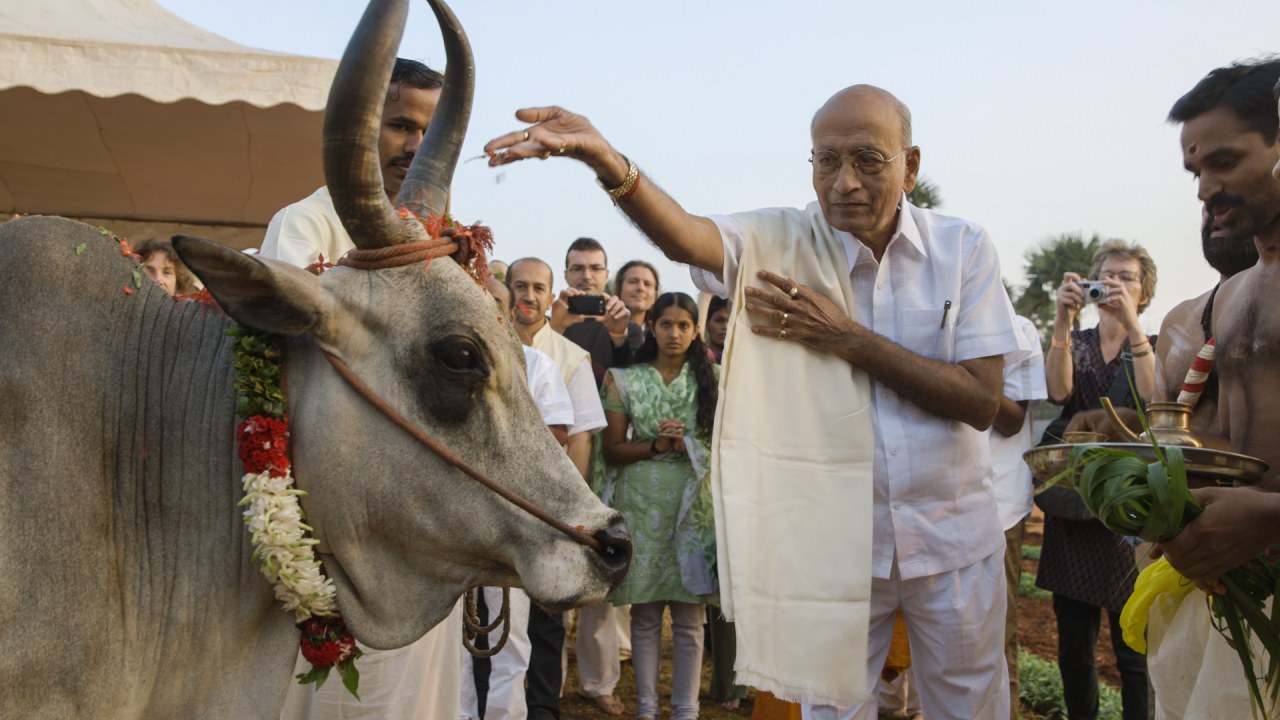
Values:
[(659, 413)]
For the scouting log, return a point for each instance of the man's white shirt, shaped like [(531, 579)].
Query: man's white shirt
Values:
[(575, 368), (934, 505), (1023, 380), (549, 391)]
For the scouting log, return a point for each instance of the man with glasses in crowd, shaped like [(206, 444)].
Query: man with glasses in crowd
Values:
[(856, 391), (611, 338)]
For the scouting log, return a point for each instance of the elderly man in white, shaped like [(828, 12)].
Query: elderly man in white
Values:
[(850, 467)]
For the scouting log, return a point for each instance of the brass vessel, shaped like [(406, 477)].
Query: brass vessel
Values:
[(1169, 422)]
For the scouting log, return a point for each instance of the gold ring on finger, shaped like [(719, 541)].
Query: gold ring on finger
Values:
[(794, 291), (546, 154), (526, 136), (561, 150), (785, 315), (782, 334)]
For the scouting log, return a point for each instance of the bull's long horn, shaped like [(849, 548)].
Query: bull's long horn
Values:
[(426, 186), (351, 122)]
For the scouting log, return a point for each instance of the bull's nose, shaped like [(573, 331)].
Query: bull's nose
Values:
[(615, 545)]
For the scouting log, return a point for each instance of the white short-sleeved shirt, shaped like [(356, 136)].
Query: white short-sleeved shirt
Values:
[(549, 392), (1023, 380), (300, 233), (937, 292), (575, 368)]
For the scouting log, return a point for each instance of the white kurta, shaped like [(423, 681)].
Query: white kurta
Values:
[(300, 233), (937, 292), (1023, 380)]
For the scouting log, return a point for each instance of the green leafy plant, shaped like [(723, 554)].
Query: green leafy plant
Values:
[(1040, 689), (1151, 500), (1027, 588)]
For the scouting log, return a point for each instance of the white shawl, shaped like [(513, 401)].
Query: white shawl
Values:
[(791, 469)]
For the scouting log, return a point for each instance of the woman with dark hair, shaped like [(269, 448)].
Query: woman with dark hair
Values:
[(660, 413), (717, 326)]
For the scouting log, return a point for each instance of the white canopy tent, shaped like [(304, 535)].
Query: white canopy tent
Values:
[(119, 113)]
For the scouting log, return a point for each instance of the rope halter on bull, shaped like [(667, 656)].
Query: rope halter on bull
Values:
[(468, 247), (472, 257)]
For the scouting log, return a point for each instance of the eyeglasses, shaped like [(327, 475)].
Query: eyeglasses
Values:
[(1121, 276), (867, 162), (593, 269)]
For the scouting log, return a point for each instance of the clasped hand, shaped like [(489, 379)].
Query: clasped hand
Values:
[(670, 436)]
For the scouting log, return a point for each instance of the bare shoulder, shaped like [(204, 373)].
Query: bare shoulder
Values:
[(1245, 321), (1184, 314)]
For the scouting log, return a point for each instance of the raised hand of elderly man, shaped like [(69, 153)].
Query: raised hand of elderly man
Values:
[(1237, 525), (556, 132)]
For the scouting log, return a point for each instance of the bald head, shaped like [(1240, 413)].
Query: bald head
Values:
[(531, 264), (867, 99), (863, 161)]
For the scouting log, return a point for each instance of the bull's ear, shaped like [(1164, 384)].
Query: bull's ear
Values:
[(265, 295)]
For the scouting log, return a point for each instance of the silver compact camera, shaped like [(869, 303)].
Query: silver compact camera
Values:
[(1094, 291)]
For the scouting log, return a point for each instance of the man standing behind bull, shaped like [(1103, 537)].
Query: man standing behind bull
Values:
[(859, 292), (421, 680), (309, 230)]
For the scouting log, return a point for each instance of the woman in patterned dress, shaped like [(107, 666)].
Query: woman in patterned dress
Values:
[(1085, 566), (660, 412)]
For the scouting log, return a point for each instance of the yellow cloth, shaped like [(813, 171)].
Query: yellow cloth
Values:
[(791, 476), (768, 707), (1156, 579), (899, 647)]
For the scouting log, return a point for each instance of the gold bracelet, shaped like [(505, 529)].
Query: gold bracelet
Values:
[(628, 183), (1060, 345)]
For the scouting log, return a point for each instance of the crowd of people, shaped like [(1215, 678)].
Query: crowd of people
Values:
[(831, 441)]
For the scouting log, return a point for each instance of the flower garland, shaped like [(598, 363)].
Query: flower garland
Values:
[(282, 548)]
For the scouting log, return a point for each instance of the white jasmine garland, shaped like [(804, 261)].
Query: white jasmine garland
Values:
[(282, 549)]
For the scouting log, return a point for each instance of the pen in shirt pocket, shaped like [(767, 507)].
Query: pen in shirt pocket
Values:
[(946, 310)]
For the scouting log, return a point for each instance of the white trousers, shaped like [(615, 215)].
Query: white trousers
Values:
[(416, 682), (955, 622), (598, 648), (505, 700), (899, 695)]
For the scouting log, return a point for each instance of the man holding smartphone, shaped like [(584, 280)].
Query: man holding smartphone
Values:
[(598, 322)]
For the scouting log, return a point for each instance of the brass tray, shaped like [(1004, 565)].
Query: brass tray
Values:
[(1223, 467)]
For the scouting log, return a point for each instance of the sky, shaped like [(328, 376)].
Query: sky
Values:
[(1033, 118)]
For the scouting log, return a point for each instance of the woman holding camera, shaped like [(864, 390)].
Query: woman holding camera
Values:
[(1084, 565)]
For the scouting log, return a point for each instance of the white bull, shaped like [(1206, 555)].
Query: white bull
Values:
[(126, 585)]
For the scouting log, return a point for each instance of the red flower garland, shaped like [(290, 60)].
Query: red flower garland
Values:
[(263, 444)]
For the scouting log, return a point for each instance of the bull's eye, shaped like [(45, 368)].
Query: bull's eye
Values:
[(460, 358), (457, 357)]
